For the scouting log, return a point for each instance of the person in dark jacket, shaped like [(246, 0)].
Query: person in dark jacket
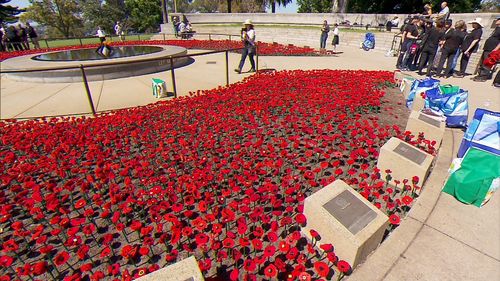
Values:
[(451, 42), (470, 45), (430, 43), (23, 35), (410, 35), (491, 44), (13, 39), (32, 35)]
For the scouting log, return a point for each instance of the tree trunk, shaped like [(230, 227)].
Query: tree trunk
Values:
[(336, 6), (343, 8), (229, 6), (273, 6), (164, 12)]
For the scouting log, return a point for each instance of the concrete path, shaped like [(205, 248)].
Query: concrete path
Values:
[(440, 239)]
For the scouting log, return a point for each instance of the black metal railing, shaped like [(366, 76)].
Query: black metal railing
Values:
[(85, 81)]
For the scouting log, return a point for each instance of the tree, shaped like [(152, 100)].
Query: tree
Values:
[(102, 13), (314, 6), (279, 2), (144, 15), (61, 17), (409, 6), (8, 13), (206, 6), (490, 6)]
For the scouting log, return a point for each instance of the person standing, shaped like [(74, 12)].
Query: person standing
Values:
[(427, 11), (336, 39), (410, 34), (490, 45), (13, 39), (324, 34), (32, 35), (2, 39), (430, 44), (452, 42), (102, 35), (23, 35), (444, 14), (470, 45), (248, 38), (119, 30)]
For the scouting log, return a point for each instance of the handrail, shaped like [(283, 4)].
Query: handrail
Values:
[(87, 88)]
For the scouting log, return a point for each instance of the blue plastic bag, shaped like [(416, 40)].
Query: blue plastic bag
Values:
[(421, 86), (483, 132), (455, 107), (369, 42)]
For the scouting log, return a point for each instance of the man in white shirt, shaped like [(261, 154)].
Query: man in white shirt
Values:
[(444, 14), (101, 34), (248, 38)]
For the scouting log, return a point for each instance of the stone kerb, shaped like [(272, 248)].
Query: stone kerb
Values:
[(345, 219), (185, 270), (432, 128), (404, 161)]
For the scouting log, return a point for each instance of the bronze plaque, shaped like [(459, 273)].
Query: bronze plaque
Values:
[(351, 212), (410, 153), (429, 120)]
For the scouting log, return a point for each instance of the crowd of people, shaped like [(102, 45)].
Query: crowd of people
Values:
[(434, 44), (17, 38)]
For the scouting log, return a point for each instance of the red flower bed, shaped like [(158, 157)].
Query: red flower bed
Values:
[(264, 49), (221, 175)]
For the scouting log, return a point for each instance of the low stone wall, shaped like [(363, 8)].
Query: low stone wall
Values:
[(310, 36), (317, 19)]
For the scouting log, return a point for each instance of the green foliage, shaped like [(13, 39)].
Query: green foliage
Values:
[(144, 15), (61, 17), (8, 13), (102, 13), (314, 6), (490, 6)]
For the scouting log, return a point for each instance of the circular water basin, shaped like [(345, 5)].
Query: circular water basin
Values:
[(97, 53)]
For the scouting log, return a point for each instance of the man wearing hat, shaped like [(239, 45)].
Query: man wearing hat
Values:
[(248, 38), (470, 45)]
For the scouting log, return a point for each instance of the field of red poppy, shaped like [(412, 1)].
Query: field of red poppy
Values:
[(221, 175), (264, 49)]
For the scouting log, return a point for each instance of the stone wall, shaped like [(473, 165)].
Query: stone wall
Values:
[(304, 29), (317, 19)]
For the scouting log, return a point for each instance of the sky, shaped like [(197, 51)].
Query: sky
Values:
[(290, 8)]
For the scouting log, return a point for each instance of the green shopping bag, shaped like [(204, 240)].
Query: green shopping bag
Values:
[(449, 89), (477, 178), (159, 88)]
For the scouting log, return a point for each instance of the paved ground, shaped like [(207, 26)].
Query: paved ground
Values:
[(441, 239)]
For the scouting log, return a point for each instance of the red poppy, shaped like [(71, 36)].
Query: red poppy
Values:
[(315, 234), (86, 267), (228, 243), (234, 275), (270, 271), (321, 268), (344, 266), (327, 247), (257, 244), (284, 247), (6, 261), (304, 276), (394, 219), (407, 200), (80, 204), (249, 265), (61, 258), (144, 251)]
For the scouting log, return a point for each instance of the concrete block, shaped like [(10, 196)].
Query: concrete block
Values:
[(185, 270), (404, 160), (398, 77), (432, 127), (406, 84), (418, 102), (345, 219)]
